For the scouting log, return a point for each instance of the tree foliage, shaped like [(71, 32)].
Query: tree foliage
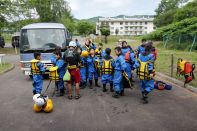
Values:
[(105, 32), (166, 11), (85, 28), (29, 11)]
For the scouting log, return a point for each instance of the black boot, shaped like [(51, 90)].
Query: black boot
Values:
[(34, 92), (145, 97), (104, 88), (61, 92), (90, 82), (111, 87), (96, 83), (116, 95)]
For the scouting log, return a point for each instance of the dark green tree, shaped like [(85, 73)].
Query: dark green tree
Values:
[(85, 28), (105, 32)]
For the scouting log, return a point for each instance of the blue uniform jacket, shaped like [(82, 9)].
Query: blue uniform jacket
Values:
[(90, 63), (125, 50), (120, 63), (61, 68)]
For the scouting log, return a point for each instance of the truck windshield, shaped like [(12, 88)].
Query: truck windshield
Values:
[(32, 39)]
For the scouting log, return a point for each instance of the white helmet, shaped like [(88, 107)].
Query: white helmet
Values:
[(35, 97), (45, 97), (40, 102), (72, 43)]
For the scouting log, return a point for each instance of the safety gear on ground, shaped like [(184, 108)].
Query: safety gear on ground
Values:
[(142, 71), (106, 67), (48, 107), (40, 101), (162, 85), (53, 73), (34, 67), (186, 69), (37, 108), (72, 43), (35, 97), (84, 53)]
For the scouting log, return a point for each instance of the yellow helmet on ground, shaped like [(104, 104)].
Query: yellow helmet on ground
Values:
[(36, 108), (49, 106), (84, 53)]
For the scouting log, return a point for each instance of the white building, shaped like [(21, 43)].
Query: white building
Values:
[(128, 25)]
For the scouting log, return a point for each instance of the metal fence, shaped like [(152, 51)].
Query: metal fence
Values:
[(167, 64), (180, 42)]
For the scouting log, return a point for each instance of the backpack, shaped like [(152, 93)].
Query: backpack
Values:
[(107, 67), (186, 69), (70, 56)]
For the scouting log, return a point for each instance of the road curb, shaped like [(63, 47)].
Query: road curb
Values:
[(9, 69), (174, 81)]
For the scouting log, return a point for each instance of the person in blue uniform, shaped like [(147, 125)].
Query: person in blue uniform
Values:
[(141, 48), (131, 64), (107, 70), (146, 72), (88, 45), (100, 53), (53, 57), (61, 72), (119, 68), (125, 48), (37, 69), (83, 65), (92, 64)]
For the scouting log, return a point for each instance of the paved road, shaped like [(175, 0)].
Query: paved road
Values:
[(174, 110)]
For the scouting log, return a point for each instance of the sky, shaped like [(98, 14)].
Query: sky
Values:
[(83, 9)]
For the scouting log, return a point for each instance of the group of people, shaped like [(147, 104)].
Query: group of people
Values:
[(90, 62)]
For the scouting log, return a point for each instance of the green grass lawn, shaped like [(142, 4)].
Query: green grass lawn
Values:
[(163, 62), (4, 67), (8, 51)]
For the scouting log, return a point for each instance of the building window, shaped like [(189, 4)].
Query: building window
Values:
[(112, 23), (140, 23), (145, 27), (146, 23), (121, 23), (121, 28), (131, 23), (112, 28), (136, 22), (126, 23)]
